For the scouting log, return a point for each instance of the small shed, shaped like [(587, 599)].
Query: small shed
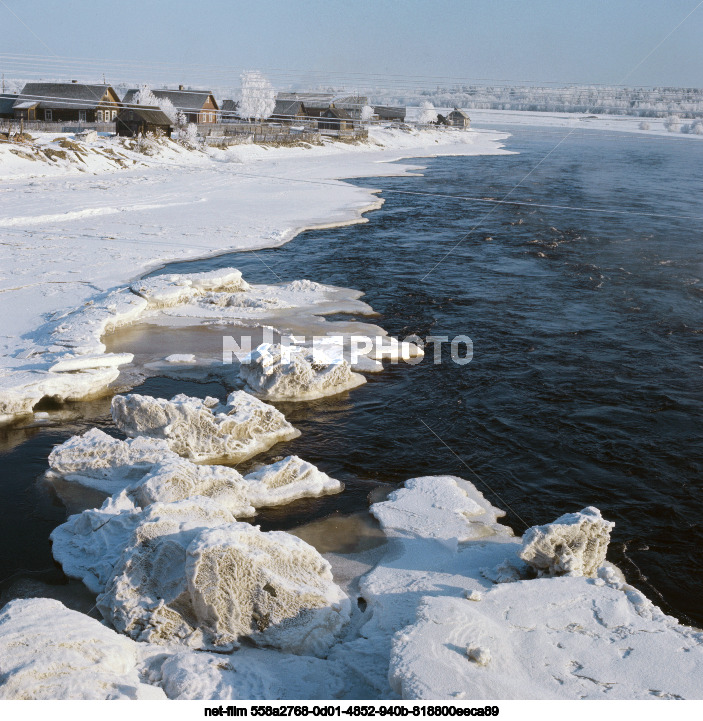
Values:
[(138, 120), (458, 119), (335, 119)]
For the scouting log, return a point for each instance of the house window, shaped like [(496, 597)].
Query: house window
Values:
[(114, 114), (47, 115), (81, 116), (100, 116)]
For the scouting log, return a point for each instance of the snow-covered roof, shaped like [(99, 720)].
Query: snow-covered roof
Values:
[(147, 113), (457, 111), (61, 95), (288, 108), (181, 99)]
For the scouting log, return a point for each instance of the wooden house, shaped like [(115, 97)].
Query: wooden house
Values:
[(288, 111), (142, 119), (315, 103), (198, 106), (458, 119), (335, 119), (388, 113), (67, 102), (229, 110), (353, 104), (7, 100)]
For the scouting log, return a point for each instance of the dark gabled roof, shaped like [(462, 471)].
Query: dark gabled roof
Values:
[(456, 111), (288, 108), (389, 112), (7, 100), (64, 95), (229, 106), (340, 113), (147, 113), (186, 100)]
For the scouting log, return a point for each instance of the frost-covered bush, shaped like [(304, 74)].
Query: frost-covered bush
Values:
[(673, 123), (695, 128), (258, 98), (428, 114), (645, 125), (366, 113), (188, 135)]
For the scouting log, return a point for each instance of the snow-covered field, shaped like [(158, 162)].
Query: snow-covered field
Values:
[(452, 605)]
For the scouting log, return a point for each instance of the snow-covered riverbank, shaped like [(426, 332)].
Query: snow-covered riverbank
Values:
[(87, 224)]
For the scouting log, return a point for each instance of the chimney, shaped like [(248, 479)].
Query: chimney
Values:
[(180, 87)]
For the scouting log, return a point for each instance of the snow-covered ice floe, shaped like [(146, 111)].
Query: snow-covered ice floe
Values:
[(205, 429), (281, 373), (434, 625), (208, 585), (49, 652)]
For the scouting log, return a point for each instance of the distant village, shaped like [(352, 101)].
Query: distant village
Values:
[(76, 106)]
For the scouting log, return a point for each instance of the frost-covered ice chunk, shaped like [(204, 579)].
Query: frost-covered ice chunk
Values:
[(288, 480), (281, 373), (163, 291), (575, 544), (89, 544), (203, 429), (97, 460), (549, 638), (272, 587), (176, 480), (207, 586), (446, 508), (49, 652), (104, 360)]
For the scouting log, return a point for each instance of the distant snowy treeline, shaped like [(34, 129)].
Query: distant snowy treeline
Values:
[(643, 102)]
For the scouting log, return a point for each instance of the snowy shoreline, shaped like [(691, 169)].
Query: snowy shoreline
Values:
[(64, 319), (452, 606)]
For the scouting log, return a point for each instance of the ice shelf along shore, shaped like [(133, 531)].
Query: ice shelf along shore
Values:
[(450, 609), (92, 237)]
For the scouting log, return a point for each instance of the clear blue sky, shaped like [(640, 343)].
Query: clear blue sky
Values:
[(210, 41)]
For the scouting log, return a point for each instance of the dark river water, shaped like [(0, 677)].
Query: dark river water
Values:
[(586, 385)]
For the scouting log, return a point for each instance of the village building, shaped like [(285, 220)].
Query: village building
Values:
[(142, 119), (389, 113), (288, 111), (67, 102), (315, 103), (335, 119), (198, 106), (229, 111), (7, 100), (353, 104), (458, 119)]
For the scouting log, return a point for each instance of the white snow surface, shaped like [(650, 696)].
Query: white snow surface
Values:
[(205, 429), (278, 373), (111, 209), (49, 652)]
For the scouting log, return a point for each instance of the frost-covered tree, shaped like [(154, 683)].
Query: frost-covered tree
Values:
[(427, 113), (366, 113), (258, 98), (673, 123), (645, 125), (145, 96)]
